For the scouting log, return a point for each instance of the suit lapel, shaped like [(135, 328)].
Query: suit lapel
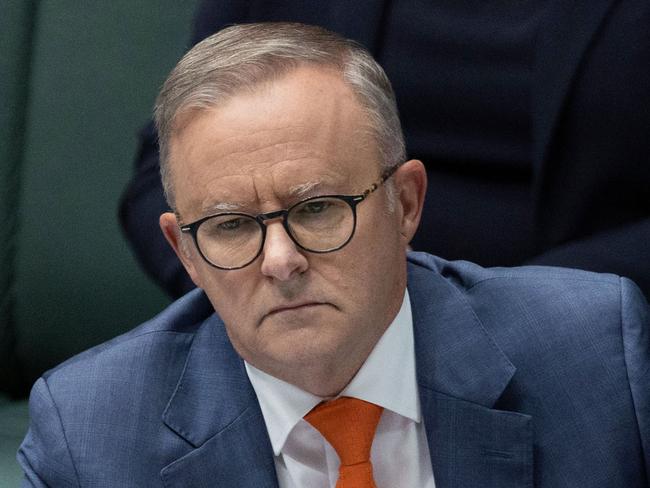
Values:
[(461, 374), (473, 446), (215, 409), (564, 36)]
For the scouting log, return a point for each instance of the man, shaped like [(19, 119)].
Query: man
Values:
[(531, 125), (293, 208)]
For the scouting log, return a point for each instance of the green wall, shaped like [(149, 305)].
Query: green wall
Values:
[(82, 80), (16, 27), (77, 81)]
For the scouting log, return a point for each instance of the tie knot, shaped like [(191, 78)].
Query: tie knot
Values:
[(349, 425)]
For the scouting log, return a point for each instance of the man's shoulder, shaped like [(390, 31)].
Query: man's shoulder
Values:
[(549, 299), (146, 347), (532, 312), (471, 279), (108, 402)]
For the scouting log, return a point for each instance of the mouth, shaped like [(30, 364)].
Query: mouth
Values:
[(295, 307)]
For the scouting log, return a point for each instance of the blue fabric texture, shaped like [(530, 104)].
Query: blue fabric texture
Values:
[(528, 377)]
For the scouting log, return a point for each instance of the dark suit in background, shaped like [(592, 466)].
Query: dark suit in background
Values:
[(532, 118)]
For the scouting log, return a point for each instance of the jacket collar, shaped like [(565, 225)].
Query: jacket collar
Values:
[(215, 409), (461, 374), (454, 353)]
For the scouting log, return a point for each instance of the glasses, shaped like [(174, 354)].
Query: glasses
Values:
[(318, 224)]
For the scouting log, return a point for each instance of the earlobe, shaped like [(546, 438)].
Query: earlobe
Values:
[(169, 226), (411, 185)]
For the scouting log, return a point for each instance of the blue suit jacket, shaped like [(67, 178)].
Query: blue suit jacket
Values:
[(527, 377)]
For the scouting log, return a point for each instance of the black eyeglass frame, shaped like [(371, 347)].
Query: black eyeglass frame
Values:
[(261, 219)]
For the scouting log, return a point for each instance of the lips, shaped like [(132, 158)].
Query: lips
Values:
[(296, 306)]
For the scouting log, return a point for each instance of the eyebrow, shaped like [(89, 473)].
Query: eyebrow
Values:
[(221, 207), (303, 189), (295, 192)]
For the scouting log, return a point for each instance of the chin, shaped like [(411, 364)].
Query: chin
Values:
[(305, 351), (302, 318)]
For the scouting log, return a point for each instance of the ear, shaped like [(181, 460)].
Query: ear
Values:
[(171, 231), (411, 187)]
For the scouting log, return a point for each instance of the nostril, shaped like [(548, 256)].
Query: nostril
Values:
[(281, 258)]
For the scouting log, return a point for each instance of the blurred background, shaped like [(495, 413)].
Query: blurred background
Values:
[(77, 82)]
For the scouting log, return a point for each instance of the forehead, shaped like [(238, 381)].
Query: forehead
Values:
[(301, 133)]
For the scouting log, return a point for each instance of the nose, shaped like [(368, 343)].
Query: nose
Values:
[(281, 258)]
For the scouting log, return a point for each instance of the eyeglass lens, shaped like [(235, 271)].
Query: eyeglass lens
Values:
[(319, 224)]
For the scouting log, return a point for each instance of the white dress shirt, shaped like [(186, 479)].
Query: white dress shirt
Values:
[(400, 454)]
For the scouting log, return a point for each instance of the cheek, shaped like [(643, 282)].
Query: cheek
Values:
[(362, 272), (379, 253), (378, 235), (229, 294), (236, 308)]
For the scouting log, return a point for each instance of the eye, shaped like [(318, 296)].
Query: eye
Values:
[(232, 224), (315, 207)]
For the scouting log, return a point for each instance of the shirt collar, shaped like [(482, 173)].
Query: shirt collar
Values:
[(387, 378)]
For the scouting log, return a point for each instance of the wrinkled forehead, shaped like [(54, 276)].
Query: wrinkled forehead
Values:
[(302, 134)]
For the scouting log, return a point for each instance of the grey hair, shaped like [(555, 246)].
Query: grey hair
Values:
[(240, 57)]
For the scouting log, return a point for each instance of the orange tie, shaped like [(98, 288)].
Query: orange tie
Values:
[(349, 425)]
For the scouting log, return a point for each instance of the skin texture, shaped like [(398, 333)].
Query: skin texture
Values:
[(308, 319)]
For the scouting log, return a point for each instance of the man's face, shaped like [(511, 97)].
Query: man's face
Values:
[(310, 319)]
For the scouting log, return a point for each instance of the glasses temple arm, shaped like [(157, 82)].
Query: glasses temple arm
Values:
[(384, 176)]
